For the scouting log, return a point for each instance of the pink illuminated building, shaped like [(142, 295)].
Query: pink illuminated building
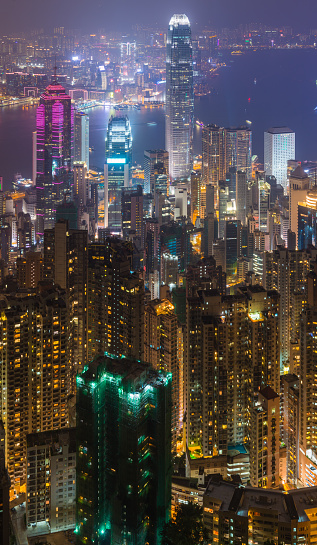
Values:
[(54, 153)]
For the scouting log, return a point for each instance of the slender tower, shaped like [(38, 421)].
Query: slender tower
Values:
[(54, 150), (179, 97)]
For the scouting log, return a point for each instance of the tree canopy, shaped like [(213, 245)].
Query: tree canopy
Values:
[(186, 528)]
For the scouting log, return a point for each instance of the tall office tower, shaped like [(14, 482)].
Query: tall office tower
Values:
[(128, 60), (55, 128), (160, 350), (51, 481), (195, 182), (289, 424), (124, 452), (117, 169), (81, 137), (180, 208), (241, 197), (231, 181), (152, 245), (223, 149), (238, 149), (132, 212), (213, 157), (115, 301), (264, 440), (34, 368), (30, 270), (179, 97), (80, 189), (231, 351), (223, 204), (279, 147), (161, 183), (65, 264), (34, 157), (232, 247), (307, 220), (299, 185), (286, 271), (151, 158)]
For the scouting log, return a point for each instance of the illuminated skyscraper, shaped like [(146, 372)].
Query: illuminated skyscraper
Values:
[(81, 138), (151, 158), (222, 150), (179, 97), (34, 371), (54, 141), (128, 58), (279, 147), (124, 452), (117, 169)]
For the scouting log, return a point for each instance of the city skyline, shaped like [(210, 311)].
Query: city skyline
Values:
[(229, 13)]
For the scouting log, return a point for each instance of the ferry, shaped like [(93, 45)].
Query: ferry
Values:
[(237, 52), (248, 121), (152, 124), (200, 123)]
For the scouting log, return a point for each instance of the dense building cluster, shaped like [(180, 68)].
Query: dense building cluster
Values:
[(159, 318)]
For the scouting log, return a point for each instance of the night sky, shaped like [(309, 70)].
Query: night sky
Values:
[(25, 15)]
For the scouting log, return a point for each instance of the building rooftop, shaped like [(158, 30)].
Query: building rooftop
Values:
[(268, 393), (179, 19), (279, 130), (287, 506)]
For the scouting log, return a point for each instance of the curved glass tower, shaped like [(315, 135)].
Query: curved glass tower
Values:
[(179, 97)]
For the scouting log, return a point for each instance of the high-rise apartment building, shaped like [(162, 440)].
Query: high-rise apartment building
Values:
[(51, 481), (115, 301), (117, 170), (81, 138), (30, 270), (151, 158), (55, 134), (265, 439), (286, 271), (124, 452), (34, 371), (65, 264), (289, 424), (179, 97), (231, 351), (279, 147), (160, 349)]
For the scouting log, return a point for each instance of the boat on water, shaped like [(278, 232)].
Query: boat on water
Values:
[(200, 123), (237, 52), (254, 81), (248, 121), (152, 124)]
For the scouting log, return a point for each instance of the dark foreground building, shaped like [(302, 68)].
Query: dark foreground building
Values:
[(123, 452)]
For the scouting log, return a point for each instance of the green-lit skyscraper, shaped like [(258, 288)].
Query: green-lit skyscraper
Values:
[(124, 452)]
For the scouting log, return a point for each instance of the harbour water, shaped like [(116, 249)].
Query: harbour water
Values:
[(268, 88)]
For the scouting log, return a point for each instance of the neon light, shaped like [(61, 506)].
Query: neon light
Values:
[(116, 161)]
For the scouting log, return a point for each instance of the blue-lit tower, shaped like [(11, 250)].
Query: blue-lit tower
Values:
[(117, 169), (179, 97)]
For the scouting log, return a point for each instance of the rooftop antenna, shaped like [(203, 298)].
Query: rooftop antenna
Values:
[(55, 71)]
